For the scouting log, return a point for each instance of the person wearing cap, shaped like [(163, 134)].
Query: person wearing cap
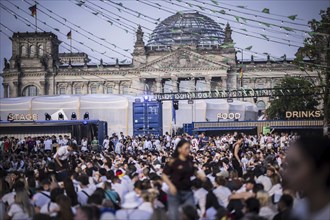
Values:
[(130, 208), (43, 197)]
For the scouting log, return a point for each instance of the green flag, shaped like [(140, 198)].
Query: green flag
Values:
[(248, 48), (292, 17), (265, 10)]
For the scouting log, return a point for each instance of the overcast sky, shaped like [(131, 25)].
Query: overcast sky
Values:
[(116, 37)]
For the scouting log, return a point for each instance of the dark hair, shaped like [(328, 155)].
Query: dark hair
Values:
[(83, 179), (190, 212), (317, 149), (91, 212), (220, 180), (287, 200), (178, 146), (239, 136), (252, 205), (41, 216), (211, 201), (70, 191), (56, 192), (95, 199)]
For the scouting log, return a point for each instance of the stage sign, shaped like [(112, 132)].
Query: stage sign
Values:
[(22, 117)]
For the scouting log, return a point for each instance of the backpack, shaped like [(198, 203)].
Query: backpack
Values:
[(114, 198)]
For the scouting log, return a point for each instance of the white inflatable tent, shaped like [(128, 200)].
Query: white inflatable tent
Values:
[(117, 109)]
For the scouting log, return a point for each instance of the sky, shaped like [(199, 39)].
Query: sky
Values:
[(110, 41)]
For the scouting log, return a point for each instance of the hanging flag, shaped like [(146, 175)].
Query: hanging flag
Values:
[(173, 112), (241, 73), (248, 48), (69, 35), (292, 17), (265, 10), (33, 10), (215, 2)]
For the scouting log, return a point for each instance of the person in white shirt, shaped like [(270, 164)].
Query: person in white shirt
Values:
[(118, 147), (199, 195), (130, 209), (221, 191), (147, 145), (51, 207), (106, 143), (43, 197), (84, 144), (85, 191), (48, 144), (62, 155), (22, 207)]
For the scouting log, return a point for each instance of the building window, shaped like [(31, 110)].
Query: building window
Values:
[(23, 51), (30, 91), (109, 90), (32, 50), (124, 90), (77, 90), (61, 91), (93, 89), (40, 50)]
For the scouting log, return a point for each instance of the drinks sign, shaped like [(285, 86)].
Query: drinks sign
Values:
[(22, 117), (303, 114)]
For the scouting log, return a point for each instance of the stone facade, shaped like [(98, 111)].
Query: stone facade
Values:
[(37, 68)]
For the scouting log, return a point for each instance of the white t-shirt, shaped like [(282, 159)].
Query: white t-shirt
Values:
[(222, 193), (48, 144), (9, 198), (106, 143), (40, 198), (63, 153), (17, 213), (50, 208), (82, 197)]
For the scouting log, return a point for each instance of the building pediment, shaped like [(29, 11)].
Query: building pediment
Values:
[(184, 59)]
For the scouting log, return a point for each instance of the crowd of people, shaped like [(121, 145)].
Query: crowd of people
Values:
[(227, 177)]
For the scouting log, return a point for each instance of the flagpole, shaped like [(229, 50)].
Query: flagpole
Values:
[(36, 20), (70, 42)]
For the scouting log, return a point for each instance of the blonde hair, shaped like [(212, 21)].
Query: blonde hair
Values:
[(263, 198), (22, 199)]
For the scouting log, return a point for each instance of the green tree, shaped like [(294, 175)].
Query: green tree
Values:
[(314, 56), (281, 104)]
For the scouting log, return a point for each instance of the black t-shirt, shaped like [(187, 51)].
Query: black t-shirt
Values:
[(180, 172)]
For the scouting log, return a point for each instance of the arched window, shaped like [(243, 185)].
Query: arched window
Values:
[(77, 90), (61, 90), (93, 89), (32, 50), (30, 91), (124, 89), (40, 50), (109, 90), (261, 105), (23, 50)]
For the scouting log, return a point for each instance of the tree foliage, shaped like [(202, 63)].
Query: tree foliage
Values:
[(314, 56), (281, 104)]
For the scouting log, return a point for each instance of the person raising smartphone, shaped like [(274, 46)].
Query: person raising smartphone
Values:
[(177, 175)]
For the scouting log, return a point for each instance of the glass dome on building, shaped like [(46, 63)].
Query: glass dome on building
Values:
[(187, 28)]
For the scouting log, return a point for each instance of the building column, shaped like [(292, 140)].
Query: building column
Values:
[(159, 85), (85, 88), (102, 87), (174, 81), (42, 87), (69, 86), (15, 90), (208, 80), (5, 90), (117, 88), (224, 83)]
